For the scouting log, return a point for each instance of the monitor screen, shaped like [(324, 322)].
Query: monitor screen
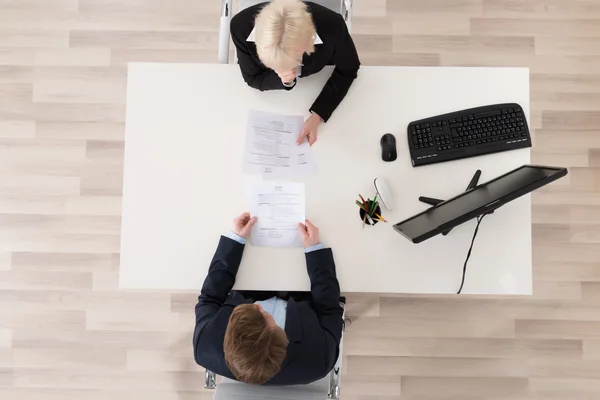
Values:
[(484, 198)]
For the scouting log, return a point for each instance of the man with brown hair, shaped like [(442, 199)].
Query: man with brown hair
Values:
[(258, 338)]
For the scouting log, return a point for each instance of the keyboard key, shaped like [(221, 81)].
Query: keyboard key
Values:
[(453, 120), (440, 128), (425, 125), (488, 114), (444, 122)]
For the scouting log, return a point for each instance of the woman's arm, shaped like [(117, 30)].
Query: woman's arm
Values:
[(346, 68)]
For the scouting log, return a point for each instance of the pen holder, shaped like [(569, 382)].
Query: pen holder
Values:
[(377, 210)]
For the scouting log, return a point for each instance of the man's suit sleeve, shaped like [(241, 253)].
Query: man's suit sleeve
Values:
[(325, 291), (345, 59), (255, 74), (217, 285)]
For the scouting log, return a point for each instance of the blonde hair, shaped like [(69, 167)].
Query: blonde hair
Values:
[(283, 29)]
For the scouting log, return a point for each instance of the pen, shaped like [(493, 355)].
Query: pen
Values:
[(373, 205), (358, 203), (364, 202), (380, 217), (364, 220)]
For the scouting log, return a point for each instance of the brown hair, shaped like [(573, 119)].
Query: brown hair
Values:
[(254, 350)]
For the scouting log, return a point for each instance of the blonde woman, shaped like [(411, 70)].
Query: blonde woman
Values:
[(283, 40)]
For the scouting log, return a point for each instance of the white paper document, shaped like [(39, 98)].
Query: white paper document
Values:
[(279, 208), (271, 148)]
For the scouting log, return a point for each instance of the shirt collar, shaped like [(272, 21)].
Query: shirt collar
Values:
[(252, 37)]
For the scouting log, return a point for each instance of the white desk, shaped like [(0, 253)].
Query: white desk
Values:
[(184, 183)]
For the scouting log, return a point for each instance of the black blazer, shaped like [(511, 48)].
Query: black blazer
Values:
[(337, 49), (314, 328)]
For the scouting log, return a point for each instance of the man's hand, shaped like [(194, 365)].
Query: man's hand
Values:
[(287, 76), (309, 131), (243, 224), (309, 234)]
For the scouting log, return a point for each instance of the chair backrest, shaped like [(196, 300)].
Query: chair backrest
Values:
[(334, 5), (231, 390)]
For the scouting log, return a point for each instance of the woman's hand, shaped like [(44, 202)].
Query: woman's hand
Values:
[(310, 129), (287, 77)]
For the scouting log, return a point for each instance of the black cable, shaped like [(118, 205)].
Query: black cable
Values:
[(462, 282)]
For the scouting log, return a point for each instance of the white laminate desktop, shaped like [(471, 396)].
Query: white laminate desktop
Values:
[(184, 184)]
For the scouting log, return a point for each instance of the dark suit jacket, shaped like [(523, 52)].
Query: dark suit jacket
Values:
[(337, 49), (314, 328)]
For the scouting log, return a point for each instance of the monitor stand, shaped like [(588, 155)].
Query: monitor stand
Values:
[(434, 202)]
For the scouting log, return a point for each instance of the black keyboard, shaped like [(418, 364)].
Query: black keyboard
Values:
[(468, 133)]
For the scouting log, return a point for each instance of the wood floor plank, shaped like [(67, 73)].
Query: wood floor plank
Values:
[(497, 348), (465, 387), (462, 43), (555, 27), (88, 57), (542, 8), (17, 129)]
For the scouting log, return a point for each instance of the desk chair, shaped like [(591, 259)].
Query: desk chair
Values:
[(327, 387), (344, 7)]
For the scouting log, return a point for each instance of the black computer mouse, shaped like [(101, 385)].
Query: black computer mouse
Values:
[(388, 147)]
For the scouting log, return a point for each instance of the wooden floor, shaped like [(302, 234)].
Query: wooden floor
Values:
[(67, 333)]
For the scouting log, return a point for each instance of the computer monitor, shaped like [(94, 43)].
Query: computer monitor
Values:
[(478, 201)]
